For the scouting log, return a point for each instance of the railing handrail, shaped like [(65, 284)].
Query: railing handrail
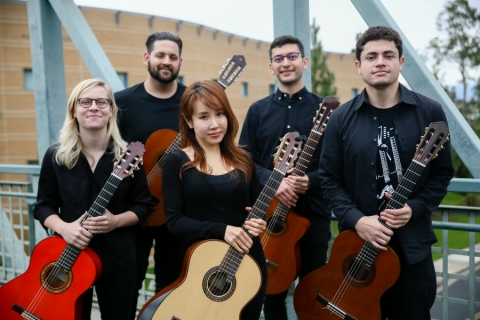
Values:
[(20, 168)]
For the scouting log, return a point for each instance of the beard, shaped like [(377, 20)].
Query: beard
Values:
[(157, 75)]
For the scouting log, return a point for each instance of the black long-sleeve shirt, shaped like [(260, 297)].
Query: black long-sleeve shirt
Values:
[(70, 192), (349, 159), (271, 118)]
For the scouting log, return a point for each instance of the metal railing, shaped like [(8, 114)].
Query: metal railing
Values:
[(19, 233)]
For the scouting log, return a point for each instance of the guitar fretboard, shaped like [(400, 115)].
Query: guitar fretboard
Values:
[(233, 258), (397, 201), (70, 253)]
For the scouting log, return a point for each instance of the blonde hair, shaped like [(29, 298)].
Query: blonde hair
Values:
[(69, 142)]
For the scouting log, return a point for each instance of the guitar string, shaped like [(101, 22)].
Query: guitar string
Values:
[(368, 250), (157, 168), (66, 254), (282, 208), (64, 260), (233, 258), (343, 294)]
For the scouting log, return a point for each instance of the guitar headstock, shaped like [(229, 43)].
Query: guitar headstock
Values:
[(431, 142), (320, 120), (231, 70), (129, 160), (287, 152)]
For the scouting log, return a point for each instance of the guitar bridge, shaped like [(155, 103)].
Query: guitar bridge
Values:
[(24, 313), (334, 309)]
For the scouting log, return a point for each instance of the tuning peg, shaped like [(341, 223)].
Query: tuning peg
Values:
[(417, 146), (228, 60)]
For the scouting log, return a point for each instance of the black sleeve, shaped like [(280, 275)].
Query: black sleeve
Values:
[(255, 187), (174, 198), (331, 174), (248, 141), (48, 196), (140, 199)]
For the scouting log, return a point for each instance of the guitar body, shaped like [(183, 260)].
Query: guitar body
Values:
[(281, 249), (361, 297), (156, 145), (61, 300), (191, 299)]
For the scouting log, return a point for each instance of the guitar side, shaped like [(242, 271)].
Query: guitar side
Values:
[(155, 147), (189, 300), (362, 298), (281, 249), (59, 303)]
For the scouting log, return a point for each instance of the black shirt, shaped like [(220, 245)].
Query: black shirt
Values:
[(70, 192), (348, 166), (141, 114), (271, 118)]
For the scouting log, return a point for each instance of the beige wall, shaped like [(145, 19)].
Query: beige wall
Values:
[(124, 43)]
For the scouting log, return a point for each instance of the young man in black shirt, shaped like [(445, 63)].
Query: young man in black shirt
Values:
[(291, 108), (145, 108), (367, 148)]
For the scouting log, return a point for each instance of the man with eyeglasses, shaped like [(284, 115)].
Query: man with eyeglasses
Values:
[(145, 108), (291, 108)]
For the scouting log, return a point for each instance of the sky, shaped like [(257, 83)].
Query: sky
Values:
[(338, 19)]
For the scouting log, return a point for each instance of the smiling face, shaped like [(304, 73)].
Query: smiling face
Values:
[(380, 64), (288, 72), (93, 117), (210, 125), (164, 61)]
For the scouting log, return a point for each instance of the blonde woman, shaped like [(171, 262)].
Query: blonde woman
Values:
[(73, 172)]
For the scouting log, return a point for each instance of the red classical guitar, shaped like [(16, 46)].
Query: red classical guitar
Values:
[(350, 285), (59, 273), (163, 141), (285, 226), (217, 281)]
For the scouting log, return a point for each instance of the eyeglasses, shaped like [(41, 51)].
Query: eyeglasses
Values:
[(291, 57), (87, 102)]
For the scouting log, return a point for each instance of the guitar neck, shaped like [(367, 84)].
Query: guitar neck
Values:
[(233, 258), (70, 254), (397, 201)]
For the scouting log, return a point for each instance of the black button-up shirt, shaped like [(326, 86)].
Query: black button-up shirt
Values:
[(70, 192), (268, 120), (348, 167)]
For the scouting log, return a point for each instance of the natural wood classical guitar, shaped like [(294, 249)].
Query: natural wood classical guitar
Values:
[(164, 141), (59, 273), (217, 281), (351, 284), (285, 226)]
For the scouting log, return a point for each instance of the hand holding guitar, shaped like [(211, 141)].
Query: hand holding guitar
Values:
[(371, 230), (255, 226), (285, 193), (73, 233), (238, 238), (297, 183), (396, 218)]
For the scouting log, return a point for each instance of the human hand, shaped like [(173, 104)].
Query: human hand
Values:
[(73, 233), (396, 218), (372, 231), (238, 238), (101, 224)]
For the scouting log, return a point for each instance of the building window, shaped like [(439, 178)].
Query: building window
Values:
[(27, 79), (244, 89), (271, 89), (123, 78), (180, 79), (354, 92)]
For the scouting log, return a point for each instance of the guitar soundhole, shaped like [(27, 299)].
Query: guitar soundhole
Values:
[(358, 272), (216, 286), (55, 280), (275, 225)]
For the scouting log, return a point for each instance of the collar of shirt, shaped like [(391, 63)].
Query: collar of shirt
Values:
[(406, 96), (279, 95)]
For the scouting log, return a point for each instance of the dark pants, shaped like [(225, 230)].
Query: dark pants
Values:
[(313, 251), (413, 295), (115, 294)]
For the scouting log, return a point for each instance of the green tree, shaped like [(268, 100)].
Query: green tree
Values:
[(323, 81), (460, 42)]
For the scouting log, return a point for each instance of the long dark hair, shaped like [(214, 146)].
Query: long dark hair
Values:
[(213, 96)]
